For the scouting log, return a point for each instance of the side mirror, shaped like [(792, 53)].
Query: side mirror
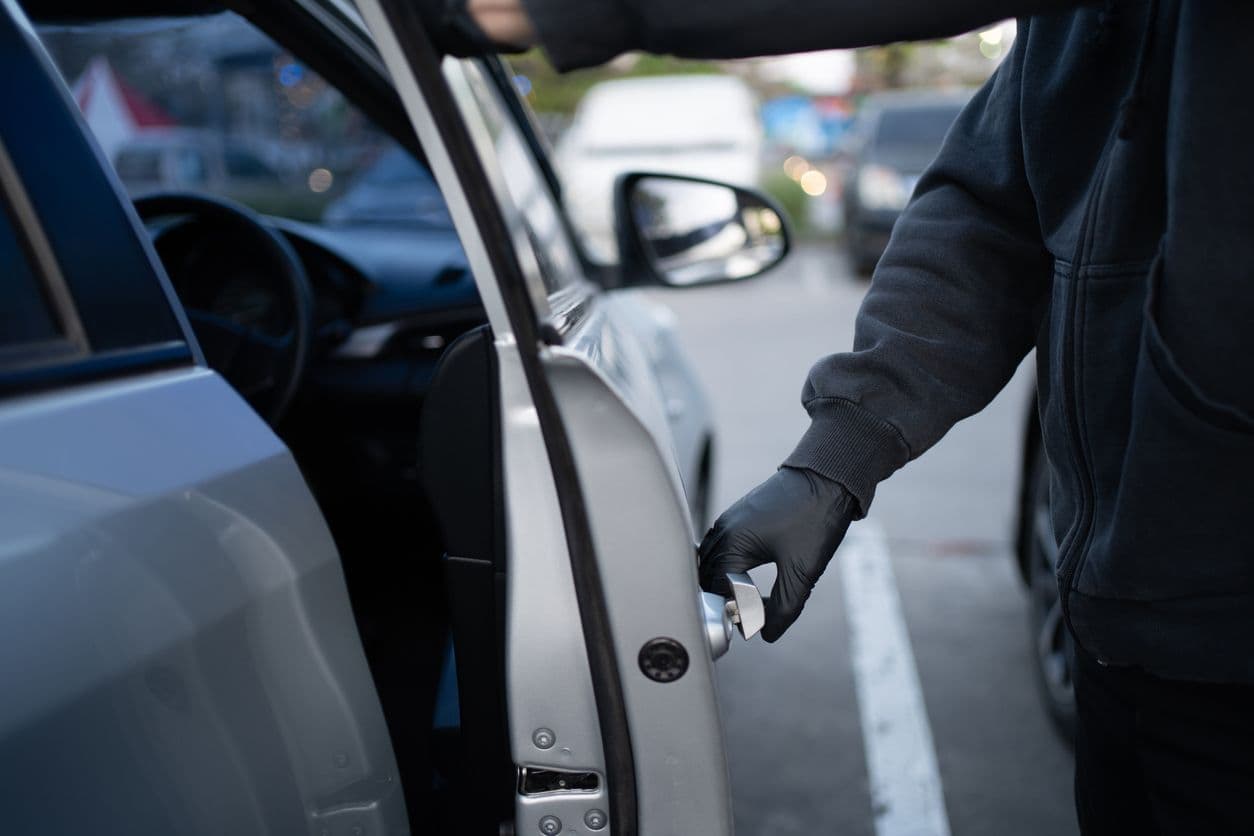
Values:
[(685, 231)]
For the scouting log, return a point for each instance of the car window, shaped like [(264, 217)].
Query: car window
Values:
[(923, 127), (246, 166), (529, 188), (27, 316), (138, 165), (111, 312), (210, 102)]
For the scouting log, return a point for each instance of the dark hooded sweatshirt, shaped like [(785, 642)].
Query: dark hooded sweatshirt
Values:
[(1096, 200)]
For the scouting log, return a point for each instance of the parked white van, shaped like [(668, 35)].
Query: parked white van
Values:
[(698, 125)]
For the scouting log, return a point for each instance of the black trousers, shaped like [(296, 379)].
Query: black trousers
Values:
[(1155, 756)]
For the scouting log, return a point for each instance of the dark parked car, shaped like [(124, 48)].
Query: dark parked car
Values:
[(895, 136), (394, 190)]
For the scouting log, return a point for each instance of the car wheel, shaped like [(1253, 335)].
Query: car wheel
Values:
[(1050, 642)]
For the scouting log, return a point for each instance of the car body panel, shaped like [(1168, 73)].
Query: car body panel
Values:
[(187, 654), (644, 544), (673, 387)]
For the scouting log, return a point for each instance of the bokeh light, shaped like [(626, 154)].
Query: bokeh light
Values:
[(813, 182), (796, 166), (320, 179)]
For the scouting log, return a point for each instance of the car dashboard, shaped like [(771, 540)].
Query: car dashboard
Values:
[(387, 301), (382, 290)]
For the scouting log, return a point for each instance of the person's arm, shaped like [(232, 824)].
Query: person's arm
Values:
[(954, 305), (583, 33), (503, 21)]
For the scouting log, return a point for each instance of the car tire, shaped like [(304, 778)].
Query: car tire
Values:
[(1050, 642)]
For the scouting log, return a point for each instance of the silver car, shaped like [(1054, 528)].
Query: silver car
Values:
[(344, 528)]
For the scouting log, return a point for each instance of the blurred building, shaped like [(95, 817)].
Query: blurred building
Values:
[(116, 112)]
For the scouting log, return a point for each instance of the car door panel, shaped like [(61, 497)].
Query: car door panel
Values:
[(178, 651), (600, 549), (548, 672), (452, 147), (188, 659), (614, 417)]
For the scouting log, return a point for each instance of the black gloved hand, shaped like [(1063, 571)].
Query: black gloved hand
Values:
[(795, 519), (453, 30)]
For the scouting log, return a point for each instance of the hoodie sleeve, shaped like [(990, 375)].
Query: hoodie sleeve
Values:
[(955, 303), (583, 33)]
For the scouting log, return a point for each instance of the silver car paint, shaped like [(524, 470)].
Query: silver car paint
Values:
[(677, 389), (178, 654), (640, 524), (644, 544)]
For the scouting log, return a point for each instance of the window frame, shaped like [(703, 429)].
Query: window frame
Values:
[(492, 96), (72, 344), (96, 341)]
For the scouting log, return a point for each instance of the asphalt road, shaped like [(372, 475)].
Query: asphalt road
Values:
[(797, 742)]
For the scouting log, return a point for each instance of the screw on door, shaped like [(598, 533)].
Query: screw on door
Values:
[(543, 738), (663, 659)]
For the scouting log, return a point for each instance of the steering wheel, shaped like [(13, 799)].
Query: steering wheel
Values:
[(219, 257)]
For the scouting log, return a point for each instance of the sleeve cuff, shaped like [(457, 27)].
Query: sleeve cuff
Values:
[(582, 34), (849, 445)]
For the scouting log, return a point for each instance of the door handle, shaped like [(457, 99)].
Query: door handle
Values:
[(742, 611)]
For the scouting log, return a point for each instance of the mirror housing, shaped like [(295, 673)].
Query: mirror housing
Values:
[(682, 231)]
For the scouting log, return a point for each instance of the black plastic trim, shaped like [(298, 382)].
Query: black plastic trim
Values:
[(96, 367)]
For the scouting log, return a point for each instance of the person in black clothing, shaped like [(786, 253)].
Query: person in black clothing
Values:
[(1095, 199)]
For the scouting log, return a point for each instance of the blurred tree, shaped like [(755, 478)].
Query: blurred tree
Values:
[(549, 91), (962, 61), (883, 67)]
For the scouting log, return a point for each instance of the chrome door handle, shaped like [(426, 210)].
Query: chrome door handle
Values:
[(746, 609), (742, 612)]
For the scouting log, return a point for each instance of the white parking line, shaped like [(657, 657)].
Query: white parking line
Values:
[(906, 794)]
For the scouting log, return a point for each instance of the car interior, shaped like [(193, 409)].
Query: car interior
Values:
[(332, 293)]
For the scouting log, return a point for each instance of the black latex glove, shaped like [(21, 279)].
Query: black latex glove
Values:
[(795, 519), (454, 32)]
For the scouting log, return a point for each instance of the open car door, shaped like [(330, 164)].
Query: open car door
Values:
[(178, 653), (613, 722)]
